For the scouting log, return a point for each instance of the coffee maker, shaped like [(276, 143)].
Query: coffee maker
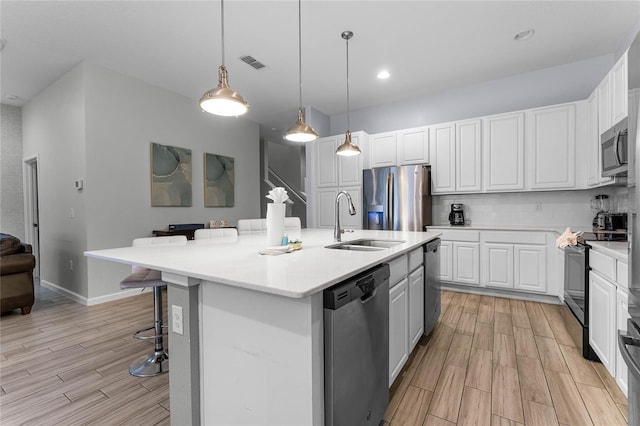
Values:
[(456, 216)]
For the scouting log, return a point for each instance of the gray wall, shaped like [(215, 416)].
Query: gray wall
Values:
[(11, 191), (565, 83), (102, 135)]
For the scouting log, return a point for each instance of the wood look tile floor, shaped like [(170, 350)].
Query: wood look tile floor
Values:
[(490, 361), (497, 361), (68, 364)]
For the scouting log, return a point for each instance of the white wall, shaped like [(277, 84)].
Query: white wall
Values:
[(11, 193), (54, 130), (565, 83), (117, 118)]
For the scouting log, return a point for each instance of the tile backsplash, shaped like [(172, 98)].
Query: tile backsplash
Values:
[(553, 208)]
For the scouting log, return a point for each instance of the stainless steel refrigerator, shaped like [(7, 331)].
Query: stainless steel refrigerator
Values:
[(629, 341), (397, 198)]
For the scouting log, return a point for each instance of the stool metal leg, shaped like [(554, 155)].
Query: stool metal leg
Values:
[(158, 363)]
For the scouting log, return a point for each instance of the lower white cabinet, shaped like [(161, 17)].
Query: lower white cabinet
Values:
[(446, 261), (466, 262), (497, 260), (416, 308), (622, 314), (398, 328), (530, 272), (602, 320)]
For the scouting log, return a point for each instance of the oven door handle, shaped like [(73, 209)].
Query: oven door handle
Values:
[(624, 341)]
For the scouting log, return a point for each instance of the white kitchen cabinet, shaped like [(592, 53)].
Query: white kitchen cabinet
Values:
[(468, 155), (503, 152), (466, 262), (619, 90), (552, 147), (622, 314), (443, 155), (413, 146), (416, 306), (349, 168), (326, 164), (398, 328), (530, 272), (605, 119), (602, 320), (382, 148), (325, 199), (497, 265), (446, 261)]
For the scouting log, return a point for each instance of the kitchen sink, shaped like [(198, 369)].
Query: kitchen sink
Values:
[(365, 244)]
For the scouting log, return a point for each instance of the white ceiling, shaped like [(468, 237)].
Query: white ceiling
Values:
[(428, 46)]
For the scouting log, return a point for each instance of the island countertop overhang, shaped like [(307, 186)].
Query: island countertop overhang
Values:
[(237, 263)]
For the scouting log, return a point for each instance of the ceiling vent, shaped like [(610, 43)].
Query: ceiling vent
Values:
[(252, 61)]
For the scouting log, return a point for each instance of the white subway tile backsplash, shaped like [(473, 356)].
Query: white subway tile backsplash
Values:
[(557, 208)]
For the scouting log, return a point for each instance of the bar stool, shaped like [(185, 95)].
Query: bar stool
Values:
[(141, 277)]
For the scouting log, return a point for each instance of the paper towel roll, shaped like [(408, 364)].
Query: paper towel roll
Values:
[(275, 223)]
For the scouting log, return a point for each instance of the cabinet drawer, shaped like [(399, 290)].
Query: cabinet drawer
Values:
[(507, 237), (460, 235), (415, 258), (622, 274), (397, 270), (603, 264)]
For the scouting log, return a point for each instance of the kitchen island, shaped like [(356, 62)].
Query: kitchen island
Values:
[(251, 347)]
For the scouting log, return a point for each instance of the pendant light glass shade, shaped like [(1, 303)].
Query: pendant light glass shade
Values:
[(300, 132), (223, 100), (347, 149)]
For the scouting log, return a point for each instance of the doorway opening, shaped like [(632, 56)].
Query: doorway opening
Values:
[(31, 215)]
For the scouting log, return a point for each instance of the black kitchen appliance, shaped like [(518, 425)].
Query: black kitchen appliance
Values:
[(456, 216), (576, 297)]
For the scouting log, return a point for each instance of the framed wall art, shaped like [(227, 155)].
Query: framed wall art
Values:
[(170, 176), (219, 180)]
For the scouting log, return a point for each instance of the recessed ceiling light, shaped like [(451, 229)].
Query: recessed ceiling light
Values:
[(524, 35), (383, 75), (12, 97)]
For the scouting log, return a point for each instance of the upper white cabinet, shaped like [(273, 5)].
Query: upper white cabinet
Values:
[(443, 154), (382, 148), (456, 157), (326, 162), (468, 156), (503, 152), (613, 96), (552, 147), (350, 168), (619, 90), (413, 146)]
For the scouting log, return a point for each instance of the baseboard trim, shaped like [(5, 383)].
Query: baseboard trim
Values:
[(94, 300), (486, 291)]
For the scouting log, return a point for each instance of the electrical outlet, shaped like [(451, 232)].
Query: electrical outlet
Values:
[(176, 315), (538, 207), (71, 265)]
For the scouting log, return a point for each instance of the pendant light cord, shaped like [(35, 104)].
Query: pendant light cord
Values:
[(300, 49), (222, 27), (348, 125)]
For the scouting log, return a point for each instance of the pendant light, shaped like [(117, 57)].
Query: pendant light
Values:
[(300, 132), (223, 100), (347, 149)]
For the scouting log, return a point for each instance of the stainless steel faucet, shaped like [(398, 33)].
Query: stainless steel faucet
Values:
[(352, 210)]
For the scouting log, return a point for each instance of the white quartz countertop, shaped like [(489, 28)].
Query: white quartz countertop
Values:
[(617, 249), (530, 228), (237, 262)]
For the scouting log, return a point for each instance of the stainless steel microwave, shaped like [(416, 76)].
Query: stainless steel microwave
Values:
[(613, 144)]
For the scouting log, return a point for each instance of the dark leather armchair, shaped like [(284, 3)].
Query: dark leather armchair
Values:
[(16, 275)]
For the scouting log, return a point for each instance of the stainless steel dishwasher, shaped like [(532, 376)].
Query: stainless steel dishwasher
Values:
[(356, 349), (431, 284)]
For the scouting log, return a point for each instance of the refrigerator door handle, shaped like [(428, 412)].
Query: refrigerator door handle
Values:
[(391, 200), (623, 342), (388, 211)]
